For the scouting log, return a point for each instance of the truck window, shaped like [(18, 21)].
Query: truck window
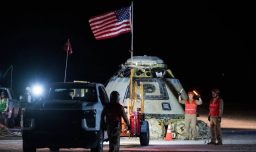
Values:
[(87, 94)]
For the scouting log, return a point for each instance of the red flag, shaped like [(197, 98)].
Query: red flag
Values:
[(111, 24), (68, 48)]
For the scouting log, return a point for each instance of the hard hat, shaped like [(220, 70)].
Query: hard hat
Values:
[(191, 92), (3, 93), (217, 91), (114, 96)]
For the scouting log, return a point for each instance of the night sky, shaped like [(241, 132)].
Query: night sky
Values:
[(205, 43)]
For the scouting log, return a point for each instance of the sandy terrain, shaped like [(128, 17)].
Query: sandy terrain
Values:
[(234, 116)]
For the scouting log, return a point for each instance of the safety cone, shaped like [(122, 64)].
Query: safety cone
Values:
[(168, 133)]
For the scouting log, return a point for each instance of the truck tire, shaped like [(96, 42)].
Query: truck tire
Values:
[(17, 119), (99, 147), (10, 122), (144, 136), (28, 147)]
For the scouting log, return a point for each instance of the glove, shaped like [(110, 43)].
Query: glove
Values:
[(197, 97), (104, 125), (219, 119), (209, 118)]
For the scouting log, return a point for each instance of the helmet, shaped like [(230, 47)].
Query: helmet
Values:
[(114, 97), (217, 91), (191, 92), (2, 93)]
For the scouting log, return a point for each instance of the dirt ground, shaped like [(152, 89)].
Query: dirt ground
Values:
[(234, 116)]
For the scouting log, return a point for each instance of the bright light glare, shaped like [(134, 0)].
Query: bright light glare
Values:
[(37, 90)]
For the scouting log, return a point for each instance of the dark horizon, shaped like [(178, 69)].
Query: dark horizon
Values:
[(206, 44)]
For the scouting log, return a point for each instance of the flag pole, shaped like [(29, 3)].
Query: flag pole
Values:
[(132, 30), (131, 70), (65, 75), (68, 49)]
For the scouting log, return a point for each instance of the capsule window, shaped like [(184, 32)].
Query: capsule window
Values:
[(166, 106)]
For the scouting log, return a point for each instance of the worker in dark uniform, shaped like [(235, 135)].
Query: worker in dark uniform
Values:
[(114, 112)]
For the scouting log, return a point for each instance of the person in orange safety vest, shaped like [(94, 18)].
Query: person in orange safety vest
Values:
[(190, 115), (215, 114)]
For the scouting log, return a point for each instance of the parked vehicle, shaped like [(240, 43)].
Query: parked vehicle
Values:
[(69, 117)]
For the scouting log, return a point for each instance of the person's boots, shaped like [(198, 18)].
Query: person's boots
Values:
[(219, 142), (211, 143)]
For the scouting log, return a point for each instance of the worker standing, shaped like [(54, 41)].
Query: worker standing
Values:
[(215, 113), (190, 115), (3, 102), (3, 107), (114, 112)]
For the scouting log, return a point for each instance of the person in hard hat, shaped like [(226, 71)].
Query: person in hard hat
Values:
[(215, 113), (190, 114), (114, 112)]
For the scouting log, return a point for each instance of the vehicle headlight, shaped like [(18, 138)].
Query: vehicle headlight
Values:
[(37, 90)]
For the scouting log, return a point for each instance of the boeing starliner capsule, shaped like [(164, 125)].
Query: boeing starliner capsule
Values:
[(148, 86)]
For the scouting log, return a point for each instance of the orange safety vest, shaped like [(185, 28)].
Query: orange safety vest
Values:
[(190, 108), (214, 107)]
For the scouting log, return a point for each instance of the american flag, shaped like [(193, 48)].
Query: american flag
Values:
[(111, 24), (68, 48)]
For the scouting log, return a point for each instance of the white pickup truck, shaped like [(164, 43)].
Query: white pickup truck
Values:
[(69, 117)]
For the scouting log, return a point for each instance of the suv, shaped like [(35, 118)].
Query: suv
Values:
[(69, 117)]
